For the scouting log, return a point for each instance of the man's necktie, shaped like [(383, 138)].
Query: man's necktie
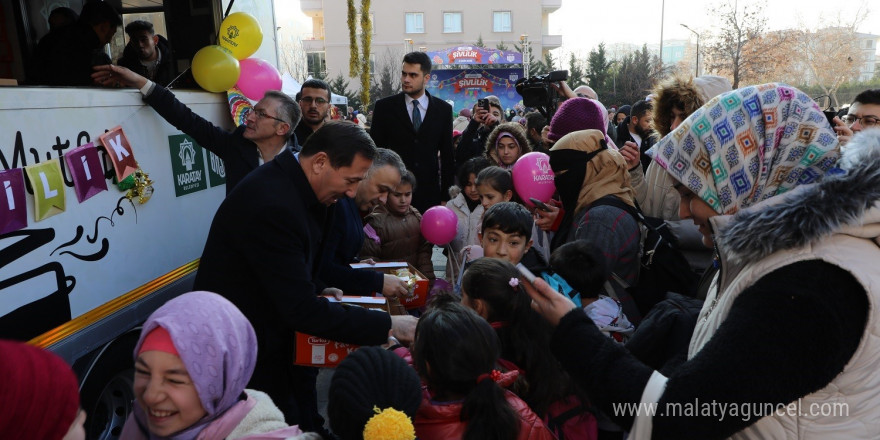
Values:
[(416, 116)]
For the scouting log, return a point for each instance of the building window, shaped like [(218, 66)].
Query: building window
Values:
[(415, 23), (501, 21), (869, 44), (316, 64), (451, 22)]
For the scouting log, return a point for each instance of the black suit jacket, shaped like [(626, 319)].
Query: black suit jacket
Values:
[(393, 129), (263, 253), (239, 155), (623, 136)]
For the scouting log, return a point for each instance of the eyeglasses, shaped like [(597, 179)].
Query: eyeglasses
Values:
[(867, 121), (263, 115), (309, 100)]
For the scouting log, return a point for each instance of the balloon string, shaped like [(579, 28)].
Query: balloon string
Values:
[(168, 86), (451, 254), (228, 8)]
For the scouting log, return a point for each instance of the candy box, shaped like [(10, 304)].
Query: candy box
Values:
[(320, 352), (416, 281)]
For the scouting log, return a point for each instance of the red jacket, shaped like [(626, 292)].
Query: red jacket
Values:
[(442, 421)]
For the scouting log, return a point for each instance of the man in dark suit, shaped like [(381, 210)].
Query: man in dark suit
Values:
[(417, 126), (263, 253)]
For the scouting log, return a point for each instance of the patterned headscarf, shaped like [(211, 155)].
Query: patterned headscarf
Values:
[(218, 346), (748, 145)]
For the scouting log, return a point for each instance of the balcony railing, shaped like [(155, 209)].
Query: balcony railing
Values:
[(312, 6), (551, 41), (550, 5)]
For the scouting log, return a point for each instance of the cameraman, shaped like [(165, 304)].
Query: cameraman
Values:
[(473, 139)]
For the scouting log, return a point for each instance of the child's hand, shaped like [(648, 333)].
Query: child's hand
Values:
[(549, 303)]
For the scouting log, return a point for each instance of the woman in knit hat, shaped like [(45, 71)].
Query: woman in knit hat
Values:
[(373, 394), (507, 143), (40, 395), (790, 323), (194, 357), (576, 114)]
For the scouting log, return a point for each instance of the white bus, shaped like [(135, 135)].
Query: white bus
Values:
[(81, 282)]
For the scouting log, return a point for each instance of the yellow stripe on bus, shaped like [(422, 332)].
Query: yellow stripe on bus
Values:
[(80, 322)]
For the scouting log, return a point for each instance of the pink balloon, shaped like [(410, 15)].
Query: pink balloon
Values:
[(439, 225), (257, 77), (533, 178)]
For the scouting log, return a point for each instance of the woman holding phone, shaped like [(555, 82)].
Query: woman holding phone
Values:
[(785, 345)]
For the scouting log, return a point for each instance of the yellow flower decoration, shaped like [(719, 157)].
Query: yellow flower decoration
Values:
[(389, 424)]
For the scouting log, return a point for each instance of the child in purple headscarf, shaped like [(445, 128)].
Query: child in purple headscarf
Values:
[(195, 355)]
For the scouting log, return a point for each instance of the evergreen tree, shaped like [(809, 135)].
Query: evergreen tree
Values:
[(339, 86), (599, 72), (547, 65), (576, 74), (479, 42), (501, 46), (636, 76)]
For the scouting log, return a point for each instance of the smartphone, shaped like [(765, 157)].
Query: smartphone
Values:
[(541, 205), (483, 103), (527, 274), (829, 115)]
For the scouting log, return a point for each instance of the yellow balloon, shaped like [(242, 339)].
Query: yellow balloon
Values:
[(215, 69), (240, 33)]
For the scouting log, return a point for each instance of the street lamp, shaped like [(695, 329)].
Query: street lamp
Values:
[(526, 53), (698, 47)]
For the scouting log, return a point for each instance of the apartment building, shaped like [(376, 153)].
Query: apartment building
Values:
[(869, 45), (401, 26)]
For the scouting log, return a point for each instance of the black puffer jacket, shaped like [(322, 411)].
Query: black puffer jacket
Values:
[(662, 339)]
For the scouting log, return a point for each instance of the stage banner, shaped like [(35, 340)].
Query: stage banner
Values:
[(464, 87), (473, 55)]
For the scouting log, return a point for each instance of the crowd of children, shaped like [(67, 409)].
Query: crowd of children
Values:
[(499, 355)]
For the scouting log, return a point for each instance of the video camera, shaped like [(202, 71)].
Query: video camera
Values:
[(537, 91)]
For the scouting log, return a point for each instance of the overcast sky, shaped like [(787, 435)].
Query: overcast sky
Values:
[(584, 24)]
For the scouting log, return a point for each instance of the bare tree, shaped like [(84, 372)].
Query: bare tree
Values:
[(737, 48), (831, 56), (386, 81), (293, 57)]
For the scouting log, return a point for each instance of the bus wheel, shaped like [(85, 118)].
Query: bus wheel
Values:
[(107, 394)]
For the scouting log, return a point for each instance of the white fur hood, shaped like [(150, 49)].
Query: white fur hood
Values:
[(847, 201)]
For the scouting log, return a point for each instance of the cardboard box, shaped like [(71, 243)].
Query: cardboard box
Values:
[(420, 292), (313, 351)]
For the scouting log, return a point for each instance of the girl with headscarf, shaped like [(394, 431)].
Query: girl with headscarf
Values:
[(591, 179), (194, 357), (785, 345), (507, 143)]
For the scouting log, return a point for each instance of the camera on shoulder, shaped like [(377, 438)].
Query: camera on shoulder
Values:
[(537, 91)]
